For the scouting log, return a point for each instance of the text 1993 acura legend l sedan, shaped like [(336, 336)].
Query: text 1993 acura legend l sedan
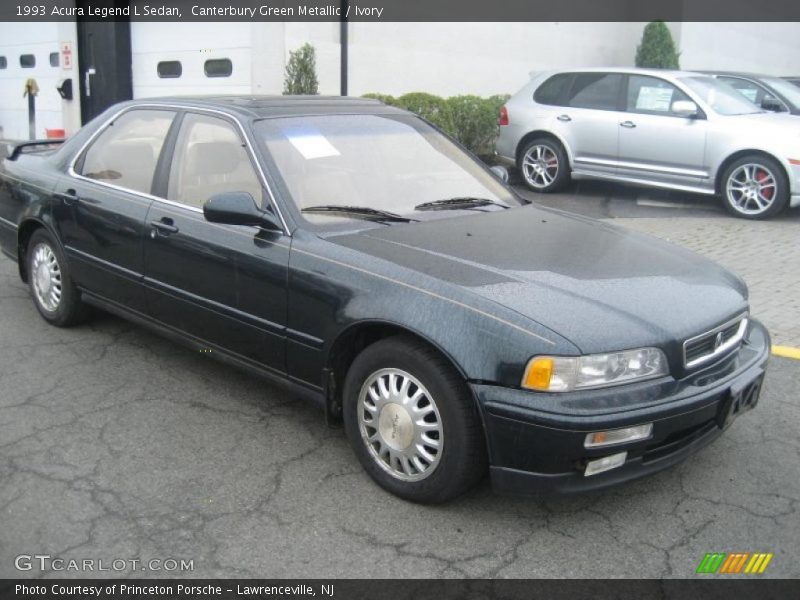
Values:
[(357, 255)]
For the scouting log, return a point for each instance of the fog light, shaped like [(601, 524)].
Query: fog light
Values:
[(598, 439), (593, 467)]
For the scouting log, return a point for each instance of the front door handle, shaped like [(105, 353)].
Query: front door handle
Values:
[(628, 124), (565, 118), (164, 227), (69, 197)]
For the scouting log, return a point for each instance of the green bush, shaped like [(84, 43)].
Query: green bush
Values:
[(657, 50), (497, 101), (430, 107), (474, 122), (301, 72), (385, 98), (469, 119)]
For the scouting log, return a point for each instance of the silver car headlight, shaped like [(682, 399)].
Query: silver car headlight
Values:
[(568, 373)]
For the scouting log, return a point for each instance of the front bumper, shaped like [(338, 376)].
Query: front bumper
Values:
[(536, 441)]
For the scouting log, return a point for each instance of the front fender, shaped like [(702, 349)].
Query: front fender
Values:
[(333, 288)]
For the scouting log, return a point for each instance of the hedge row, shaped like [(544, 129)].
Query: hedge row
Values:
[(471, 120)]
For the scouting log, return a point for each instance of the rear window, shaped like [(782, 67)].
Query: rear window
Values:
[(595, 90), (553, 90)]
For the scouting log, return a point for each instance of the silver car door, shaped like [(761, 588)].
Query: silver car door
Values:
[(656, 143)]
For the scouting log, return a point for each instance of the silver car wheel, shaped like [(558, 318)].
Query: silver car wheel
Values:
[(751, 189), (540, 166), (400, 424), (46, 277)]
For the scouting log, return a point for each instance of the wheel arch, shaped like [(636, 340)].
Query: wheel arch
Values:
[(541, 133), (741, 154), (352, 340), (24, 233)]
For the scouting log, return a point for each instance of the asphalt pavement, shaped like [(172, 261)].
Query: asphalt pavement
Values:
[(117, 445)]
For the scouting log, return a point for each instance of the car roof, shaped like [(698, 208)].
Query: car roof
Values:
[(740, 74), (629, 70), (273, 106)]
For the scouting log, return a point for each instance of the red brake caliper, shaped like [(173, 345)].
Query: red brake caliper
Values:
[(761, 177)]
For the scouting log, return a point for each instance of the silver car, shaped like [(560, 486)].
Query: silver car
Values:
[(669, 129)]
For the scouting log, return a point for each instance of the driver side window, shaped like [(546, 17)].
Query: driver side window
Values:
[(651, 95), (210, 158)]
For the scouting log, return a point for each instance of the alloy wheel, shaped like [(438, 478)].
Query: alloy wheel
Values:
[(46, 277), (400, 424), (540, 166), (751, 189)]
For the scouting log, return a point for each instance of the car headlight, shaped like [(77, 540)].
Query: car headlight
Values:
[(567, 373)]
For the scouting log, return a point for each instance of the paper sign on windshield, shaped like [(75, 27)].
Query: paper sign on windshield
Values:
[(310, 143)]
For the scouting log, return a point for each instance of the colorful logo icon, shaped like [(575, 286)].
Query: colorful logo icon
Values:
[(735, 562)]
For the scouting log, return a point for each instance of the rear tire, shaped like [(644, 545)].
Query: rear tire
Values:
[(755, 187), (543, 165), (54, 293), (412, 422)]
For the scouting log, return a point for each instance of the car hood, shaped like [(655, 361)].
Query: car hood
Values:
[(601, 287)]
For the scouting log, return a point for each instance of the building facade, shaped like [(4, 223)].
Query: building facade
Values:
[(108, 62)]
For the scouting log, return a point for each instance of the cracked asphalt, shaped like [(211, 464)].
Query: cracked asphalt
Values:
[(118, 444)]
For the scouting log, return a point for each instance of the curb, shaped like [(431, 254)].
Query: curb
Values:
[(786, 352)]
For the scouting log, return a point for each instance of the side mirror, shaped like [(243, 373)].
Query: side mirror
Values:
[(237, 208), (771, 104), (685, 108), (500, 172)]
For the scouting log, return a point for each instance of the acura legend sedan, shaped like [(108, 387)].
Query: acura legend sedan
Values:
[(667, 129), (356, 255)]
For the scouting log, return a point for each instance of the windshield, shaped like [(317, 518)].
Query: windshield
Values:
[(721, 97), (389, 163), (786, 88)]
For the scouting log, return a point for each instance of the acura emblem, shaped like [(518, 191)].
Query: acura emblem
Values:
[(718, 341)]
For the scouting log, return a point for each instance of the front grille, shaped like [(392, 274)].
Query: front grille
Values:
[(715, 343)]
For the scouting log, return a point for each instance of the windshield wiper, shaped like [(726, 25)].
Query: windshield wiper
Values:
[(361, 212), (466, 202)]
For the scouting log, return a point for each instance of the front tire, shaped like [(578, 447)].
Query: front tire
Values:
[(54, 293), (412, 422), (543, 165), (755, 187)]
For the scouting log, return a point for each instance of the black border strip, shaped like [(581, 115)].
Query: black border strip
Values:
[(403, 10)]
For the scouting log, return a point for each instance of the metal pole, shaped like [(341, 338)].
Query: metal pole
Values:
[(31, 116), (343, 45)]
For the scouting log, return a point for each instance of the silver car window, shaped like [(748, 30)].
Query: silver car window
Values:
[(721, 97), (652, 95)]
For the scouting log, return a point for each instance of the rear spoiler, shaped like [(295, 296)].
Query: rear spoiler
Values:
[(16, 149)]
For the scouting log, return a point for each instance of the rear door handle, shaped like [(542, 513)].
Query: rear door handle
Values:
[(164, 227), (628, 124), (565, 118), (69, 197)]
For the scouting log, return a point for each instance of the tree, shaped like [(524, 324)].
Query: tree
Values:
[(657, 50), (301, 72)]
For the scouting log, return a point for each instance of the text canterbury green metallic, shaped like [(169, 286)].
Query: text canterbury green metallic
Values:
[(355, 254)]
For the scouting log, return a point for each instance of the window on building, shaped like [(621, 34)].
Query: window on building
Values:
[(3, 62), (27, 61), (210, 159), (218, 67), (126, 153), (595, 90), (55, 59), (169, 69)]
